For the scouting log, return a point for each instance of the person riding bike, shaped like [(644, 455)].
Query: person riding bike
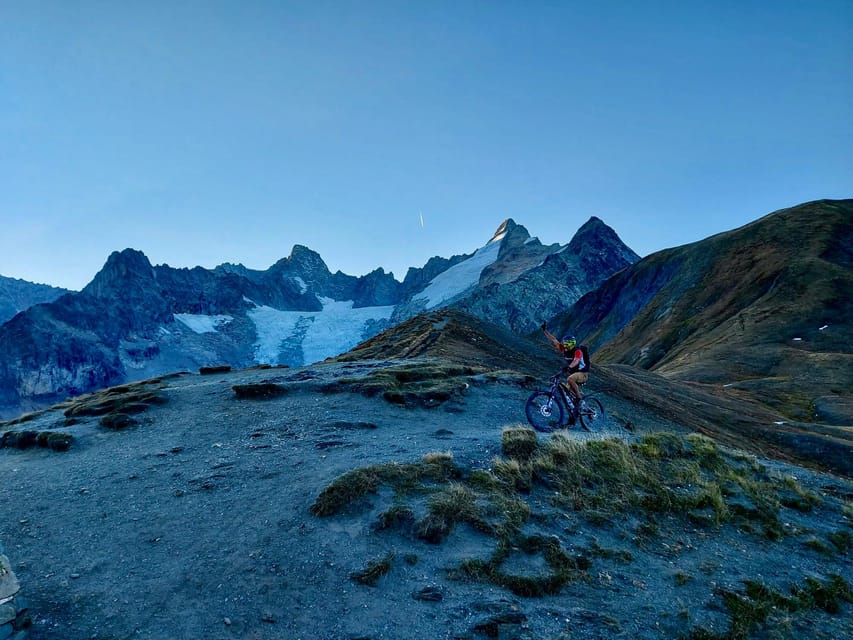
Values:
[(578, 360)]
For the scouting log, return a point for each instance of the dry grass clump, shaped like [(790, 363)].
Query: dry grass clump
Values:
[(519, 443), (399, 517), (26, 417), (427, 384), (600, 481), (355, 484), (374, 570), (663, 473), (115, 405), (452, 505)]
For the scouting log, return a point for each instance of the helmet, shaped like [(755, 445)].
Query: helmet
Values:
[(569, 341)]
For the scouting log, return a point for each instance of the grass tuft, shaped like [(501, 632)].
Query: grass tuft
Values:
[(424, 384), (447, 508), (519, 443), (344, 490), (373, 571)]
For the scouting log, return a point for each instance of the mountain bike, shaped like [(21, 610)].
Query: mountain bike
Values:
[(555, 408)]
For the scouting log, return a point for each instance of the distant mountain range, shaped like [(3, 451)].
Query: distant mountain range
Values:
[(19, 295), (136, 320)]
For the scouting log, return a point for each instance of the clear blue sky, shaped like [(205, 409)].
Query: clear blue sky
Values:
[(203, 132)]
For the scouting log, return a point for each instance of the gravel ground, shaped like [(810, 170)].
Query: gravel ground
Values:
[(195, 523)]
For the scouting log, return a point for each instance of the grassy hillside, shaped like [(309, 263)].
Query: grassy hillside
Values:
[(764, 309)]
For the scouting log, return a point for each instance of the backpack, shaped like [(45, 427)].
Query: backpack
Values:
[(585, 351)]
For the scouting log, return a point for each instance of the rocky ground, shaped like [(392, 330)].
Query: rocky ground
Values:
[(195, 521)]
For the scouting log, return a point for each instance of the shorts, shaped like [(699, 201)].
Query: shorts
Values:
[(580, 377)]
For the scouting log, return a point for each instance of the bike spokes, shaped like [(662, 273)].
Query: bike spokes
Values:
[(544, 412), (591, 414)]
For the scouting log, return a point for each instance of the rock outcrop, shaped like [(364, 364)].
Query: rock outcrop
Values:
[(14, 609)]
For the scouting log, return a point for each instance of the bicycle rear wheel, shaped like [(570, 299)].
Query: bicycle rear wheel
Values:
[(591, 414), (544, 411)]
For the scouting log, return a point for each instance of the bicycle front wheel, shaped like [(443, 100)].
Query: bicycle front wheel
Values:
[(544, 412), (591, 414)]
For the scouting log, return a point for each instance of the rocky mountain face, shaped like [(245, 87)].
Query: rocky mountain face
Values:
[(516, 281), (18, 295), (137, 320), (522, 298), (762, 311)]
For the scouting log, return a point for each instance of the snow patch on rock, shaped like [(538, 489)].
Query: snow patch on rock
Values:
[(334, 330), (464, 275), (203, 323), (301, 284)]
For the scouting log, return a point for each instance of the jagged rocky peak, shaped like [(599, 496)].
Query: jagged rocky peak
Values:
[(511, 236), (302, 261), (510, 232), (122, 268), (594, 234)]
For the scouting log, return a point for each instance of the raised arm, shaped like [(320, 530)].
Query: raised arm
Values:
[(553, 340)]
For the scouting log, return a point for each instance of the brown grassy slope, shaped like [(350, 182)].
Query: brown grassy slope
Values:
[(731, 417), (458, 337), (727, 310)]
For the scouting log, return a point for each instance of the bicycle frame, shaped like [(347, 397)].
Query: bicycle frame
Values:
[(559, 391), (554, 408)]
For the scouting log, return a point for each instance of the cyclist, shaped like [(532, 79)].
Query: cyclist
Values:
[(577, 356)]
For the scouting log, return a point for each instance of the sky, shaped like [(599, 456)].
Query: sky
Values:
[(380, 134)]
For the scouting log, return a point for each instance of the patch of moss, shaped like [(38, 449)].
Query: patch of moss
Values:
[(563, 568), (759, 606), (827, 596), (622, 555)]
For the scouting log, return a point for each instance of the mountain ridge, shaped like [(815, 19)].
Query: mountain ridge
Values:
[(764, 309), (136, 320)]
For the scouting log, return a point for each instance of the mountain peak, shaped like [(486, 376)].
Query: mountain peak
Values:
[(510, 235), (595, 233), (122, 268), (508, 228)]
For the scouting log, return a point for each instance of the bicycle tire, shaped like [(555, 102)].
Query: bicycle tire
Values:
[(591, 414), (544, 411)]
